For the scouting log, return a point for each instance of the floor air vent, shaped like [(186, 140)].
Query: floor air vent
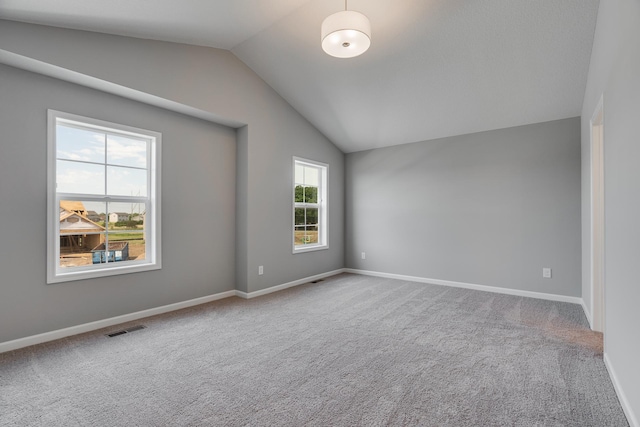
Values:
[(126, 331)]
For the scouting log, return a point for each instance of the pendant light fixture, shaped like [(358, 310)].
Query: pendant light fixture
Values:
[(346, 34)]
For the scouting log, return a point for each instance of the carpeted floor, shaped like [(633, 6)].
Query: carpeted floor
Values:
[(349, 351)]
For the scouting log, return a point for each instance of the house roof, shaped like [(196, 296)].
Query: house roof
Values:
[(73, 223), (71, 205)]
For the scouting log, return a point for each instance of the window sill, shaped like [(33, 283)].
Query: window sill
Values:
[(98, 273), (309, 248)]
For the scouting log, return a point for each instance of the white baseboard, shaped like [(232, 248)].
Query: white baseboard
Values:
[(272, 289), (587, 314), (99, 324), (529, 294), (87, 327), (624, 402)]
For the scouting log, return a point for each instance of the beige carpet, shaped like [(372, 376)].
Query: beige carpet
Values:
[(349, 351)]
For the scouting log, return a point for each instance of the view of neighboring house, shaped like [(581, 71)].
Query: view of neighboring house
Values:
[(75, 229), (94, 216), (118, 217)]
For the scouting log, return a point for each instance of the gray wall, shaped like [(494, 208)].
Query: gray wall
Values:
[(198, 196), (490, 208), (217, 82), (614, 71)]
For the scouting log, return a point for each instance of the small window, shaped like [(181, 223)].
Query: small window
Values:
[(103, 198), (309, 205)]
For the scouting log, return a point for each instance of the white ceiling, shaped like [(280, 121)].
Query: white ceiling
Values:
[(436, 68)]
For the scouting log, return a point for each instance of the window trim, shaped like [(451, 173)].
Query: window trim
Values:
[(323, 208), (153, 251)]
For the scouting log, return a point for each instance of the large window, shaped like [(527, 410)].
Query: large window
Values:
[(309, 205), (103, 198)]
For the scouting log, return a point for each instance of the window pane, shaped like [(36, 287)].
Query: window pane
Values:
[(125, 151), (126, 181), (299, 194), (299, 216), (78, 144), (300, 236), (82, 215), (311, 216), (80, 231), (311, 176), (311, 194), (96, 212), (77, 250), (311, 235), (299, 174), (79, 178), (127, 223), (126, 216), (127, 246), (306, 235)]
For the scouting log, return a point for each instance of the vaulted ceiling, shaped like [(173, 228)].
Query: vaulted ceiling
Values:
[(436, 68)]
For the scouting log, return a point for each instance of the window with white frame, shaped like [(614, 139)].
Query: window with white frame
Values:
[(309, 205), (103, 198)]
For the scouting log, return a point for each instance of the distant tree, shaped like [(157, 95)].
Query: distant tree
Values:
[(312, 216), (305, 216)]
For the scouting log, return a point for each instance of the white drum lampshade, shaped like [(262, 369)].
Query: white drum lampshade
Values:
[(346, 34)]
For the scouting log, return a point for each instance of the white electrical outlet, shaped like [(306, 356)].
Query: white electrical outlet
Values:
[(546, 273), (260, 270), (363, 255)]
